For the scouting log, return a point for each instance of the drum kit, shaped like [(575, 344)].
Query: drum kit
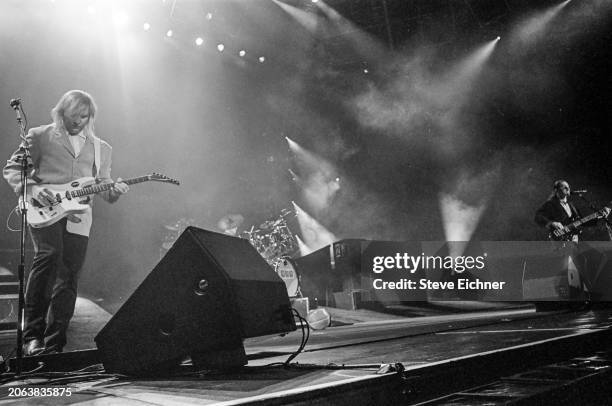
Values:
[(277, 244), (273, 240)]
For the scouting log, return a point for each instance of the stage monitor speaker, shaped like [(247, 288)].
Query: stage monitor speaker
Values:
[(205, 295)]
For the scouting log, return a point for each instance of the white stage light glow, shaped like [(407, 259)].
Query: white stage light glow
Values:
[(535, 26), (314, 235), (459, 219), (319, 180), (121, 18), (304, 249)]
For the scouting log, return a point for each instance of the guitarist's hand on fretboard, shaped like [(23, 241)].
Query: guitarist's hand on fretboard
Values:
[(119, 187)]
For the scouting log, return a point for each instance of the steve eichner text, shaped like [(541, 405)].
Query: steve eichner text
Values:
[(461, 284), (412, 263)]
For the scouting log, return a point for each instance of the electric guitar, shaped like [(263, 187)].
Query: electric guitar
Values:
[(72, 197), (569, 230)]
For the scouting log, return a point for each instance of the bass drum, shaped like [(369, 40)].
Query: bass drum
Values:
[(285, 268)]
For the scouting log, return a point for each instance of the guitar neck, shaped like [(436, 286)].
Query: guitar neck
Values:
[(90, 190), (583, 220)]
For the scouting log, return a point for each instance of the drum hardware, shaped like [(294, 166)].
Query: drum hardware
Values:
[(285, 268)]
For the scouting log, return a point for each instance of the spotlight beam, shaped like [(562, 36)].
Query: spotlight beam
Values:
[(314, 235)]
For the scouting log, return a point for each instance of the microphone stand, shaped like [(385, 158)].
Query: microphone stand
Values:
[(23, 207)]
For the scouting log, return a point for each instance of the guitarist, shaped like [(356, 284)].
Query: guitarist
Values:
[(557, 211), (62, 151)]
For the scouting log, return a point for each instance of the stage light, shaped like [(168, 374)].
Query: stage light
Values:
[(465, 71), (220, 47), (199, 41), (242, 52), (303, 248), (146, 26), (319, 181), (498, 38), (315, 1), (209, 16), (294, 175), (262, 59), (532, 28), (293, 146), (366, 71), (314, 234), (459, 218), (121, 18), (169, 33)]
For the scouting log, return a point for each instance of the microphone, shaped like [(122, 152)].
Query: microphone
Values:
[(15, 103), (579, 192)]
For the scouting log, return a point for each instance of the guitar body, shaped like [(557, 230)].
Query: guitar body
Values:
[(570, 231), (41, 215), (566, 234), (72, 197)]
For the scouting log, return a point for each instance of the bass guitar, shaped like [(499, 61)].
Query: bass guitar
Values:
[(570, 230), (72, 197)]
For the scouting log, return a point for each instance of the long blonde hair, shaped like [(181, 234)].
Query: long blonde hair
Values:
[(70, 101)]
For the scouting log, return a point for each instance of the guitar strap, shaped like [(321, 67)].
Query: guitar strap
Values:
[(84, 226), (96, 141)]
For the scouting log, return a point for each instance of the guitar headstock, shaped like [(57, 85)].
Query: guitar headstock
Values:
[(605, 212), (158, 177)]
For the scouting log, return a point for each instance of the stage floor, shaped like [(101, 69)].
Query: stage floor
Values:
[(362, 347)]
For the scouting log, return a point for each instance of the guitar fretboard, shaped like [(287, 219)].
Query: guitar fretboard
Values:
[(568, 229), (585, 219), (89, 190)]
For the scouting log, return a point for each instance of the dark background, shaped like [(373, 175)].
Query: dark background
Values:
[(425, 145)]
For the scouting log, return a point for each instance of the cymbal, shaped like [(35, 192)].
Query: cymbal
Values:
[(249, 232), (271, 223), (230, 221), (266, 224)]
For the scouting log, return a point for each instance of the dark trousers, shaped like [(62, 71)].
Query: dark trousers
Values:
[(52, 285)]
